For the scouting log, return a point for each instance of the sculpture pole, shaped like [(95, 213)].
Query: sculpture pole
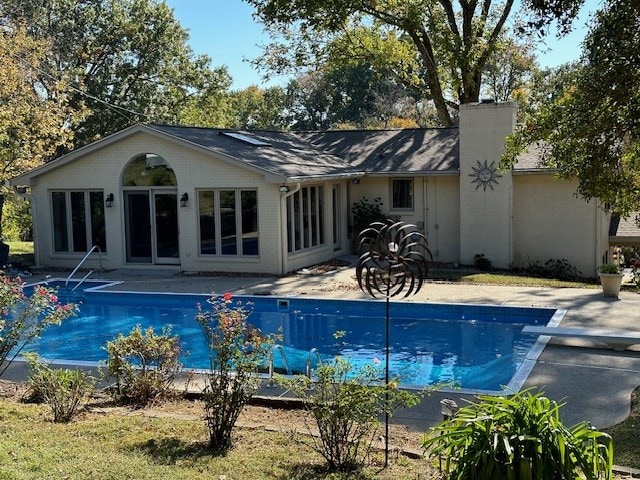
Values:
[(393, 261)]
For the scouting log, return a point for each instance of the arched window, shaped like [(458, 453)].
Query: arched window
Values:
[(149, 170)]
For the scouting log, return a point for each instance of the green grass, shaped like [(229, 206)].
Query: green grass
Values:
[(133, 447), (626, 448), (21, 253), (502, 278)]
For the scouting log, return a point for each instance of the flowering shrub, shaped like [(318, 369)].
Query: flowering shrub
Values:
[(23, 318), (237, 350), (346, 406), (144, 364)]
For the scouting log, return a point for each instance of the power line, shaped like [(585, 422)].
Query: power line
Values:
[(118, 109)]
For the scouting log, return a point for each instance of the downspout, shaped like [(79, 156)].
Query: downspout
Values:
[(425, 205), (598, 243), (283, 226), (511, 233)]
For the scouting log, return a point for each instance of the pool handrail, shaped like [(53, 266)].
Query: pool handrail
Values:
[(312, 352), (272, 354), (95, 247)]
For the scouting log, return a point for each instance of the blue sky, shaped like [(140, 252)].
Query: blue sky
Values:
[(225, 30)]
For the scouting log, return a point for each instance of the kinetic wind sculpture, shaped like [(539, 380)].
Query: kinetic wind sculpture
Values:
[(393, 261)]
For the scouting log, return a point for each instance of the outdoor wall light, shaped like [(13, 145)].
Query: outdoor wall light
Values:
[(284, 188), (184, 199), (108, 201), (355, 181)]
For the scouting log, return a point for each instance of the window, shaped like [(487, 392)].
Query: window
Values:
[(305, 219), (402, 194), (78, 220), (149, 170), (228, 222)]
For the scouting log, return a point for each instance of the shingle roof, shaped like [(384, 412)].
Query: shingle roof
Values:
[(393, 151), (283, 153), (624, 231)]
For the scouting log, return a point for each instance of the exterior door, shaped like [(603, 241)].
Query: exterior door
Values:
[(151, 226)]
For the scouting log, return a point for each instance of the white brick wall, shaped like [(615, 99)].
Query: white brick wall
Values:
[(552, 223), (485, 214), (103, 169)]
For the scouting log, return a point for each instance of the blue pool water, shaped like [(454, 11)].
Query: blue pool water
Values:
[(474, 347)]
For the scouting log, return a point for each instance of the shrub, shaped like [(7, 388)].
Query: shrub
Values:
[(609, 268), (144, 364), (553, 268), (237, 350), (346, 407), (481, 262), (16, 219), (23, 318), (635, 272), (62, 389), (518, 437), (364, 214)]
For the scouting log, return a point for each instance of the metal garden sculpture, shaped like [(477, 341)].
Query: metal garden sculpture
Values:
[(393, 260)]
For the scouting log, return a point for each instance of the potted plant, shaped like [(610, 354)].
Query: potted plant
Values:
[(610, 279)]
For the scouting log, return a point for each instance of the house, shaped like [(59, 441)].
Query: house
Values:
[(202, 199)]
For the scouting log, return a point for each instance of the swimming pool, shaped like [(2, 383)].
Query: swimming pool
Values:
[(474, 347)]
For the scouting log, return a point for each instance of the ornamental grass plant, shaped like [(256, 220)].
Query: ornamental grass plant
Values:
[(518, 437)]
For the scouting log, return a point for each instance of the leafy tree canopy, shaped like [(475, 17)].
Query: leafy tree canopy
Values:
[(32, 124), (129, 59), (589, 126), (439, 48)]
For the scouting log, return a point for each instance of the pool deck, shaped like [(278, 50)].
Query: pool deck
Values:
[(594, 381)]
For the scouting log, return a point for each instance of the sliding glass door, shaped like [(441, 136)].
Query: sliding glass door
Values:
[(151, 224)]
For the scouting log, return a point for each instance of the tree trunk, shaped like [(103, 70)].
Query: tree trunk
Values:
[(1, 209)]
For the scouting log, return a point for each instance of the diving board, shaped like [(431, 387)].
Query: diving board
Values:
[(618, 339)]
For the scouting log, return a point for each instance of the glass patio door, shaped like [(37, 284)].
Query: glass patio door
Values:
[(151, 226)]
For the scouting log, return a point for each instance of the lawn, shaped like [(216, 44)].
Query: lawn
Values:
[(115, 446), (626, 447), (101, 444), (21, 253)]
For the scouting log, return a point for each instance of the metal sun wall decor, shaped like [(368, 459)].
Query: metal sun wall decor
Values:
[(393, 260), (485, 175)]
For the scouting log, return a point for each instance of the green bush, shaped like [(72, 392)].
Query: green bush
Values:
[(143, 364), (482, 263), (16, 219), (518, 437), (346, 407), (62, 389), (364, 214), (553, 268), (237, 351), (609, 268)]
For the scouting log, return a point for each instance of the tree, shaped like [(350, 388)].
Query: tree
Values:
[(129, 58), (433, 46), (509, 71), (32, 122), (257, 108), (351, 94), (589, 128)]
